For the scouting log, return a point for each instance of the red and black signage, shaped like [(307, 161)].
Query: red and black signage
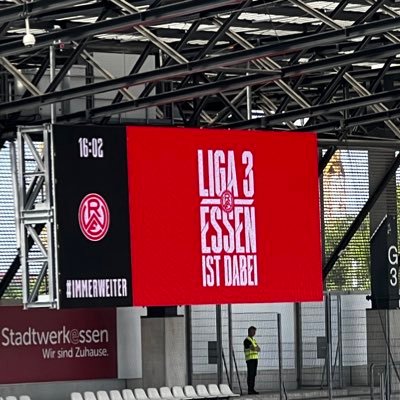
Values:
[(385, 265), (92, 217), (214, 216), (47, 345)]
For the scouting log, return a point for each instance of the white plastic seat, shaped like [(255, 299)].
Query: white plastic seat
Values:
[(11, 398), (127, 394), (152, 394), (203, 392), (190, 392), (102, 395), (140, 394), (76, 396), (115, 395), (226, 390), (166, 394), (89, 396), (213, 389), (177, 391), (24, 397)]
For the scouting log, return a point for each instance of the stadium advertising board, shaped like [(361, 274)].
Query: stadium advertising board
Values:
[(203, 217), (47, 345)]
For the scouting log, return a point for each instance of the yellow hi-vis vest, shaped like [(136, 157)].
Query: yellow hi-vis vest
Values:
[(249, 353)]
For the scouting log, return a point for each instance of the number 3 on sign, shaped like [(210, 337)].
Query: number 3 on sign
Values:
[(393, 258), (91, 147)]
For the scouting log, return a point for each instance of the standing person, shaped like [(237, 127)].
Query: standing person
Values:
[(251, 352)]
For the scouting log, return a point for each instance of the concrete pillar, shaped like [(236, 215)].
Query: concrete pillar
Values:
[(163, 351)]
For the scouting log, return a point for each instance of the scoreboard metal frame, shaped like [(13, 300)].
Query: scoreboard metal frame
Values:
[(32, 162)]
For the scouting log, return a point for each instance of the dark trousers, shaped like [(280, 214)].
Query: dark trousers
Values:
[(251, 374)]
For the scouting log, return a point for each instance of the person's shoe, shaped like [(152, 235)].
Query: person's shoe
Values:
[(253, 392)]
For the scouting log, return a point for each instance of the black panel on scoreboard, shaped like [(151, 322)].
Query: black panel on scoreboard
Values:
[(92, 216)]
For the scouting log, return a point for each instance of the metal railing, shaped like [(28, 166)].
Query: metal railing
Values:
[(321, 345)]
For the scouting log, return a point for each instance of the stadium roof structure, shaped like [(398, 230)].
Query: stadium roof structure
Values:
[(325, 66), (332, 67)]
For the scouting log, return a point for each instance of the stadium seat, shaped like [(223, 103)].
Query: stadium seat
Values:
[(115, 395), (226, 390), (102, 395), (152, 394), (166, 394), (127, 394), (203, 392), (89, 396), (177, 391), (11, 398), (191, 392), (213, 389), (76, 396), (24, 397), (140, 394)]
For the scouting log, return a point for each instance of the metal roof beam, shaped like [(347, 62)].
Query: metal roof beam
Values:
[(343, 73), (161, 14), (231, 84), (78, 48), (226, 60), (32, 9), (321, 109)]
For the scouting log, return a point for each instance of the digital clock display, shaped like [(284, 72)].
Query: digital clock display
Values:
[(91, 147)]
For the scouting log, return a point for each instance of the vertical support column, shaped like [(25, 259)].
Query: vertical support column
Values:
[(388, 363), (249, 99), (163, 348), (21, 193), (340, 341), (298, 344), (52, 56), (219, 343), (230, 338), (279, 323), (35, 202), (189, 353), (328, 328), (89, 78)]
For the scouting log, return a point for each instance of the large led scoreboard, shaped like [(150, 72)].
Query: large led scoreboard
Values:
[(152, 216)]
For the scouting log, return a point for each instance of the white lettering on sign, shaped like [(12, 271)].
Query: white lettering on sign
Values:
[(34, 337), (96, 288), (227, 218), (393, 258)]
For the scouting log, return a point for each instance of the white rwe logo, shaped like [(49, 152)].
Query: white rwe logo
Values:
[(227, 218), (94, 217)]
